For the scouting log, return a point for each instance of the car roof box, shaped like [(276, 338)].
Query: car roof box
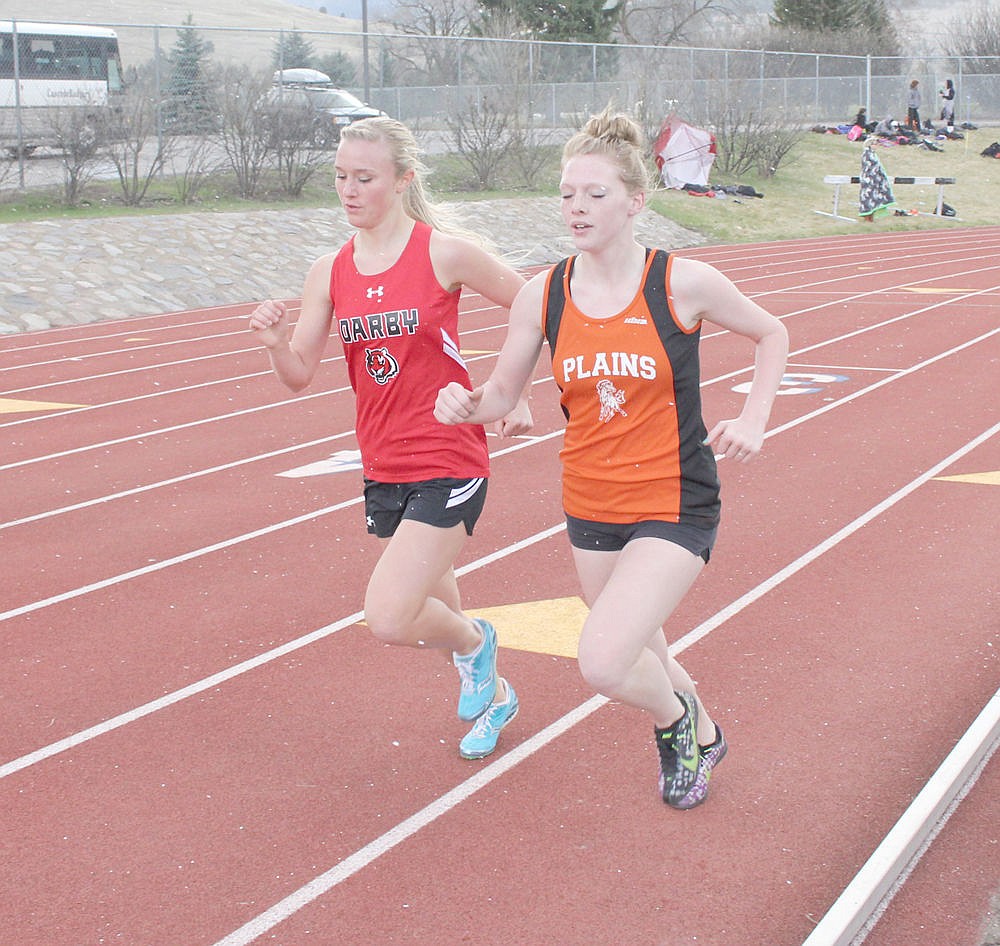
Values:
[(301, 77)]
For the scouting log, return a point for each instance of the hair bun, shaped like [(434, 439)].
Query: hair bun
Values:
[(614, 127)]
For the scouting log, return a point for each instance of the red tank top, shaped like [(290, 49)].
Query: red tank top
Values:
[(400, 334)]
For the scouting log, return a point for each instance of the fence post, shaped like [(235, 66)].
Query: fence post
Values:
[(868, 85), (158, 89), (961, 85), (593, 75), (760, 88), (364, 50), (17, 105), (816, 92)]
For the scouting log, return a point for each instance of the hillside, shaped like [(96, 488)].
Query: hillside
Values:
[(216, 20), (923, 20)]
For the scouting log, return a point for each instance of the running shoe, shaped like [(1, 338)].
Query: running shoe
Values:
[(715, 752), (708, 758), (478, 674), (481, 740), (679, 757)]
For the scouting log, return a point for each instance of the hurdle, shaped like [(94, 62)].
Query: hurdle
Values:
[(839, 180)]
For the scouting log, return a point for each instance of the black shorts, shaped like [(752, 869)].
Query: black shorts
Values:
[(613, 536), (442, 502)]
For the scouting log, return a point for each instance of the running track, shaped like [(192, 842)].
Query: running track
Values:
[(201, 745)]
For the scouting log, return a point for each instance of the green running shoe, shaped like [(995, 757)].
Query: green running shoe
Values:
[(679, 757), (709, 757)]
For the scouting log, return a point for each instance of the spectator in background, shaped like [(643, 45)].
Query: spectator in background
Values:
[(948, 104), (913, 106)]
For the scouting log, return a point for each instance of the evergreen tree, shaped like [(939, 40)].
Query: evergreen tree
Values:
[(819, 16), (568, 21), (339, 67), (856, 26), (293, 51), (187, 95)]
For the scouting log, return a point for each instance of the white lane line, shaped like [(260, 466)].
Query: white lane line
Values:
[(169, 699), (864, 899), (441, 806), (407, 828), (704, 384), (260, 374), (251, 349), (684, 642), (215, 547), (195, 474), (172, 481), (236, 540)]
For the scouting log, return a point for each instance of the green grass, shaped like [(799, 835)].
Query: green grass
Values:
[(785, 212), (797, 190)]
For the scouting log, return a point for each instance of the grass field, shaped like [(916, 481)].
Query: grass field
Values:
[(792, 196), (787, 210)]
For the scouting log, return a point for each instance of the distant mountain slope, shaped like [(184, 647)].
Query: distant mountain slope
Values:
[(126, 16)]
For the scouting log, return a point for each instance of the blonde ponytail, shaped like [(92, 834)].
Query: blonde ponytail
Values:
[(405, 154)]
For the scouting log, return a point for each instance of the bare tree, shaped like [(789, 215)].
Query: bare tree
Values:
[(976, 35), (77, 134), (292, 133), (751, 138), (8, 168), (505, 61), (189, 165), (534, 152), (437, 62), (673, 23), (482, 134), (128, 129), (244, 134)]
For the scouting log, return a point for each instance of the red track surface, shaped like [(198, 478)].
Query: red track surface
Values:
[(196, 728)]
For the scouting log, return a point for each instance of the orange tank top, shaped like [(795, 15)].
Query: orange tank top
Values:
[(634, 446)]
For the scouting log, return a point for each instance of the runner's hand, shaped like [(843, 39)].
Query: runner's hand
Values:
[(735, 440), (518, 421), (455, 405), (269, 322)]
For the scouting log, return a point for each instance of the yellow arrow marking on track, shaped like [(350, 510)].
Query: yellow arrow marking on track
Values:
[(541, 627), (933, 289), (11, 406), (982, 479)]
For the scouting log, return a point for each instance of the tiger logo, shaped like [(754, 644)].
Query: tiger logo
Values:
[(381, 365), (611, 400)]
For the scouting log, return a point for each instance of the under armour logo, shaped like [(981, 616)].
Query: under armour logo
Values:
[(372, 293)]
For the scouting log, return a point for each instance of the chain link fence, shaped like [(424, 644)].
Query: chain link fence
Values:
[(216, 84)]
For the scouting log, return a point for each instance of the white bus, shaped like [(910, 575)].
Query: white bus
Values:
[(50, 65)]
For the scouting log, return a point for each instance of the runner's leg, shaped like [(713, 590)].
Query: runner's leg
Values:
[(631, 594)]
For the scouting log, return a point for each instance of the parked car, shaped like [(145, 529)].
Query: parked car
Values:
[(309, 92)]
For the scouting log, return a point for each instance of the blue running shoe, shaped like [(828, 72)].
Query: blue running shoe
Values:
[(481, 740), (478, 673), (680, 760)]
